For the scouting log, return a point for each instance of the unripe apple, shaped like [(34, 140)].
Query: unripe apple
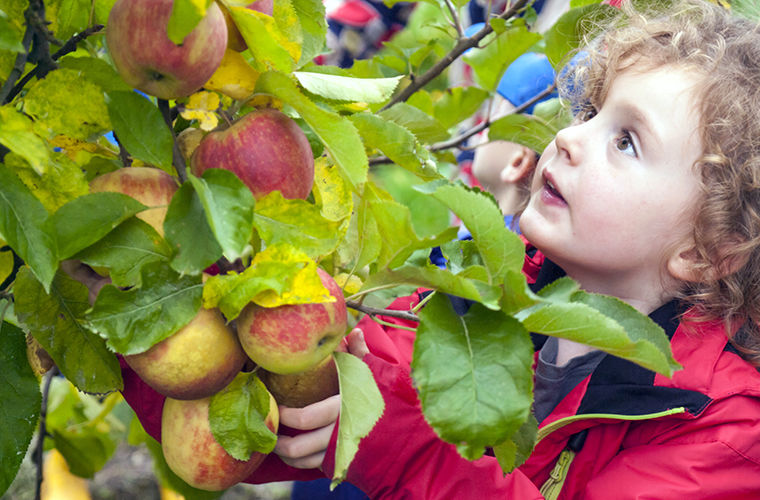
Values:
[(302, 389), (199, 360), (149, 185), (192, 452), (235, 40), (149, 61), (267, 150), (293, 338)]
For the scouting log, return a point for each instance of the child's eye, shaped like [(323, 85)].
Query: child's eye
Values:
[(587, 113), (624, 144)]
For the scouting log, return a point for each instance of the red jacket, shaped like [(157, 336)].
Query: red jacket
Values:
[(636, 435)]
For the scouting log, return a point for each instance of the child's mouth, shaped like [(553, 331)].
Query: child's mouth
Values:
[(551, 194)]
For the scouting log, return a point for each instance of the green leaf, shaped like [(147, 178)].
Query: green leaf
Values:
[(65, 104), (71, 16), (498, 52), (746, 8), (361, 406), (186, 14), (236, 415), (125, 250), (419, 123), (515, 451), (133, 320), (228, 205), (311, 16), (86, 219), (344, 88), (8, 41), (362, 243), (6, 263), (473, 373), (279, 275), (56, 320), (602, 322), (337, 133), (298, 223), (86, 451), (23, 226), (458, 104), (20, 394), (397, 143), (96, 71), (62, 181), (442, 280), (501, 249), (140, 128), (570, 29), (331, 191), (528, 130), (268, 45), (188, 233), (17, 134)]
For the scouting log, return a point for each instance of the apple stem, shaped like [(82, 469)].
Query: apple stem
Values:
[(374, 312)]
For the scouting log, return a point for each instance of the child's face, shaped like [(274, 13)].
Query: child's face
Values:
[(612, 196)]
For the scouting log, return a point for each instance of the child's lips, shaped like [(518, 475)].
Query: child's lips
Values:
[(549, 192)]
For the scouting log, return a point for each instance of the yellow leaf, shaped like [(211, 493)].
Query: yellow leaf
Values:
[(331, 191), (6, 263), (234, 77), (202, 106), (350, 283), (306, 286), (59, 483)]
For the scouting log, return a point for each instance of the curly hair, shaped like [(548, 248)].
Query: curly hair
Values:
[(724, 52)]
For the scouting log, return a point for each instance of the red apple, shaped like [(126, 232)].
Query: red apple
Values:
[(293, 338), (297, 390), (267, 150), (199, 360), (149, 61), (149, 185), (192, 452), (235, 40)]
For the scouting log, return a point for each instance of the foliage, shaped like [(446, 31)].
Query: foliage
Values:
[(61, 98)]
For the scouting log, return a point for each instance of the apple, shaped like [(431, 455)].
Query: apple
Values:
[(235, 40), (197, 361), (266, 149), (293, 338), (149, 61), (149, 185), (302, 389), (192, 452)]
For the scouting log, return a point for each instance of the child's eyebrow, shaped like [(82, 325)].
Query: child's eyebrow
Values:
[(643, 121)]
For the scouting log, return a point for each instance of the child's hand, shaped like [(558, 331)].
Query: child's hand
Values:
[(307, 450)]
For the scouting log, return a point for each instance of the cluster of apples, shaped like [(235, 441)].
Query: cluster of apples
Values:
[(292, 345)]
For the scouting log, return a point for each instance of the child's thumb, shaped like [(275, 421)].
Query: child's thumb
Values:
[(356, 343)]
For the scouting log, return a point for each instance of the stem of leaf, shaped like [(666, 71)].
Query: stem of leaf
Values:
[(374, 312)]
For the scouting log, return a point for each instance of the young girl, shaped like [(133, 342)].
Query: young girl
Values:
[(652, 196)]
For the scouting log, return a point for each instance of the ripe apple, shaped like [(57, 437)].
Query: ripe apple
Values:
[(197, 361), (149, 61), (293, 338), (192, 452), (235, 40), (149, 185), (267, 150), (302, 389)]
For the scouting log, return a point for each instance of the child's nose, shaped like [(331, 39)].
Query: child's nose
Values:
[(569, 143)]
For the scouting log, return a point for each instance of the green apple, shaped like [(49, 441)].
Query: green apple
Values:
[(149, 185), (192, 452), (266, 149), (297, 390), (197, 361), (149, 61), (293, 338)]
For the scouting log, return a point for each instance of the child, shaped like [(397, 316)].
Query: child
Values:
[(652, 196)]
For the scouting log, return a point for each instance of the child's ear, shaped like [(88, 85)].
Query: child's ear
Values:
[(684, 263), (520, 165)]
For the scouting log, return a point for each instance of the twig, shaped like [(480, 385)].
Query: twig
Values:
[(374, 312), (461, 46), (39, 448), (455, 18), (178, 159), (126, 160)]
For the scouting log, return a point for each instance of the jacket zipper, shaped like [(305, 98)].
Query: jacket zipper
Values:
[(553, 486)]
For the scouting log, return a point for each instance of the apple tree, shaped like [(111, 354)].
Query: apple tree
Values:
[(275, 171)]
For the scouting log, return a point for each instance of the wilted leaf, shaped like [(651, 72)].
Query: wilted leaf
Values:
[(361, 406), (56, 320), (133, 320), (64, 103), (277, 276), (298, 223), (17, 134), (236, 415), (473, 373), (331, 191), (20, 394), (141, 129), (202, 106)]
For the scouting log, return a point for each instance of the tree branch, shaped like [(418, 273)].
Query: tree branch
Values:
[(373, 312), (461, 46), (178, 159)]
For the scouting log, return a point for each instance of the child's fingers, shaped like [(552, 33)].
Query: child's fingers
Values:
[(356, 343), (307, 450), (310, 417)]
